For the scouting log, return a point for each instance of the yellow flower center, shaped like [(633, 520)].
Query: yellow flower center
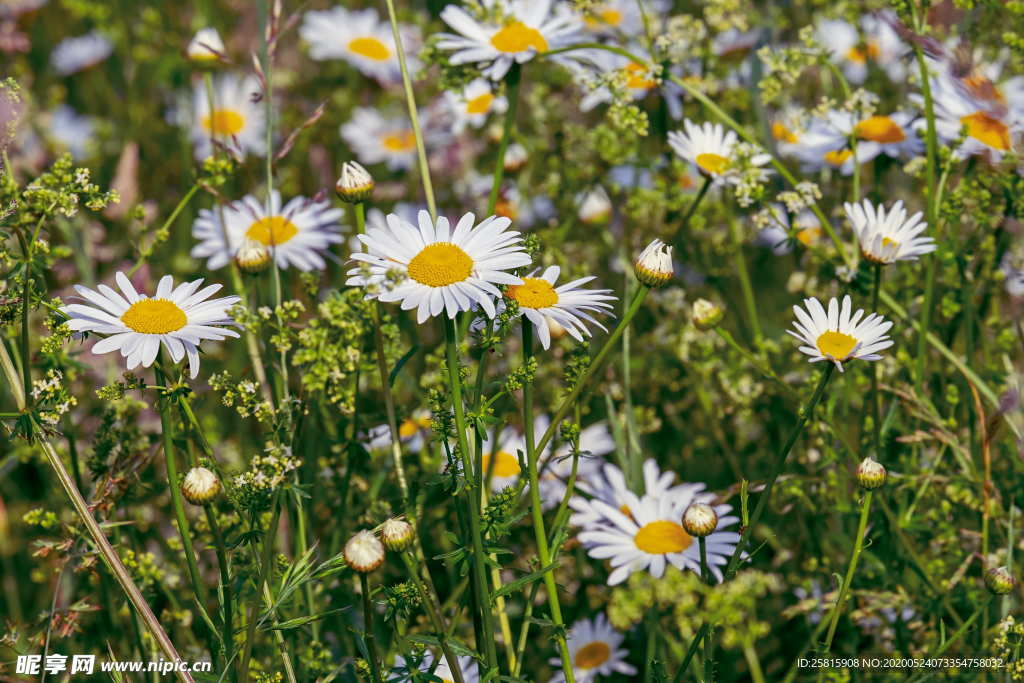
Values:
[(783, 134), (535, 292), (662, 536), (410, 426), (272, 230), (638, 77), (505, 464), (837, 156), (592, 655), (886, 242), (154, 316), (370, 47), (836, 345), (440, 264), (401, 141), (480, 104), (712, 163), (880, 129), (224, 122), (860, 54), (987, 130), (809, 236), (518, 37)]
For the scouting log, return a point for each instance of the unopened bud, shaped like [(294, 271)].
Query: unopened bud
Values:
[(700, 520), (654, 267), (200, 486), (397, 534), (1000, 581), (252, 257), (870, 474), (515, 157), (596, 207), (206, 48), (706, 315), (364, 552), (355, 185)]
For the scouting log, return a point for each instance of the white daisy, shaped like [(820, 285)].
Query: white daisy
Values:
[(991, 128), (513, 31), (297, 234), (473, 105), (893, 134), (445, 269), (880, 45), (608, 484), (177, 317), (237, 123), (468, 665), (75, 54), (837, 335), (595, 441), (568, 305), (711, 148), (650, 537), (375, 139), (888, 236), (72, 130), (360, 38), (594, 647)]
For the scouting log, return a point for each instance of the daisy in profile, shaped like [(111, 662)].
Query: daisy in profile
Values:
[(76, 54), (837, 335), (297, 234), (235, 122), (888, 236), (360, 38), (375, 139), (853, 52), (179, 318), (651, 537), (443, 672), (445, 269), (991, 128), (595, 441), (712, 149), (569, 305), (595, 649), (473, 104), (508, 32)]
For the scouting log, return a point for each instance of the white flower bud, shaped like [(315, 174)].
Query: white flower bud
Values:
[(252, 257), (397, 534), (700, 520), (654, 267), (355, 184), (364, 552), (870, 474), (706, 315), (1000, 581), (200, 486), (206, 47), (596, 207)]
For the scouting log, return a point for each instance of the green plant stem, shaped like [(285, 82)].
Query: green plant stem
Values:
[(745, 286), (371, 638), (844, 590), (876, 399), (536, 509), (512, 80), (26, 294), (473, 495), (709, 648), (414, 118), (433, 611), (692, 208)]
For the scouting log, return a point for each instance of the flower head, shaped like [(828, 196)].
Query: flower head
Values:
[(837, 335), (700, 519), (360, 38), (364, 552), (355, 184), (569, 305), (396, 534), (712, 149), (654, 266), (595, 650), (888, 236), (206, 47), (870, 474), (200, 486), (235, 121)]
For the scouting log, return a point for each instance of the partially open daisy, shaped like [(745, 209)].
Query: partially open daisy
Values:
[(651, 537), (296, 234), (569, 305), (473, 104), (711, 148), (81, 52), (177, 317), (838, 335), (375, 139), (360, 38), (235, 122), (513, 31), (888, 236), (445, 269), (594, 647)]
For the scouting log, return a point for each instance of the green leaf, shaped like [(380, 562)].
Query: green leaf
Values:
[(522, 581), (401, 363)]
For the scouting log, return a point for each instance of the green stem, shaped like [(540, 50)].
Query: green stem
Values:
[(227, 597), (876, 399), (709, 648), (371, 638), (26, 293), (931, 141), (512, 81), (745, 286), (690, 210), (536, 509), (844, 590), (433, 611), (264, 569)]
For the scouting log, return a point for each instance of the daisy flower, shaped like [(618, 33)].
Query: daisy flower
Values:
[(837, 335), (75, 54), (892, 135), (568, 305), (375, 139), (880, 45), (886, 237), (473, 105), (360, 38), (651, 537), (468, 665), (594, 646), (296, 234), (711, 148), (512, 32), (445, 269), (595, 441), (236, 122), (177, 317), (991, 129)]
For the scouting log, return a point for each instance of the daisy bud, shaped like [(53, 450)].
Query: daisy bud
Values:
[(700, 520), (870, 474), (654, 267), (706, 315), (999, 581), (252, 257), (596, 207), (200, 486), (396, 534), (364, 552), (206, 48), (355, 184), (515, 157)]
